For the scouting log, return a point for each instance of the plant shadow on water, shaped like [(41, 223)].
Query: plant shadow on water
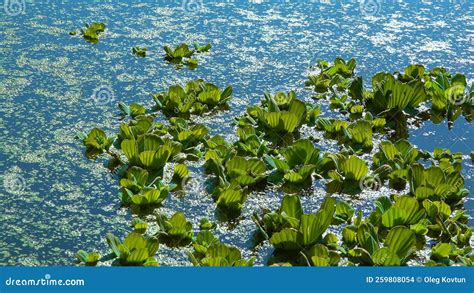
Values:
[(51, 70)]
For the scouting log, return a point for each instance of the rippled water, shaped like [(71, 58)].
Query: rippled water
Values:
[(55, 201)]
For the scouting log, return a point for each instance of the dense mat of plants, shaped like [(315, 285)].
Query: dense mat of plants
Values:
[(272, 150)]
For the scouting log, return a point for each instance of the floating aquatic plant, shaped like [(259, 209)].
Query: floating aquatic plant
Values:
[(174, 231), (181, 55), (399, 156), (298, 164), (209, 251), (197, 97), (298, 237), (278, 117), (96, 142), (91, 32), (139, 51), (269, 150), (88, 258), (135, 250)]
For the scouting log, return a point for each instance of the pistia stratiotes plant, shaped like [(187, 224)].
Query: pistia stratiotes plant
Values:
[(332, 77), (136, 190), (397, 96), (298, 237), (209, 251), (356, 136), (299, 163), (230, 201), (135, 250), (91, 32), (197, 97), (133, 110), (181, 55), (348, 174), (443, 158), (139, 51), (269, 150), (245, 172), (450, 96), (96, 142), (250, 142), (150, 152), (190, 137), (364, 247), (139, 126), (434, 183), (88, 258), (399, 156), (175, 231), (277, 119), (392, 98)]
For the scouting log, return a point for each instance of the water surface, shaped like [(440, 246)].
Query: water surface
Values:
[(60, 202)]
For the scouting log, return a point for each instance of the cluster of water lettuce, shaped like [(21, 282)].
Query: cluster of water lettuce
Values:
[(271, 152)]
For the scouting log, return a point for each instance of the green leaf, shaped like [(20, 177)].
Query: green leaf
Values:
[(394, 217), (385, 257), (355, 168), (291, 206), (287, 239), (113, 243), (401, 241), (139, 51), (441, 251)]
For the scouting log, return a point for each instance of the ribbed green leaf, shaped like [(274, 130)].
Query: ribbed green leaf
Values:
[(401, 241), (354, 168), (287, 239)]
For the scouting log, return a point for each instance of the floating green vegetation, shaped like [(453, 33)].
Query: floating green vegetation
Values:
[(91, 32), (415, 93), (135, 250), (139, 51), (88, 258), (175, 231), (182, 55), (424, 209), (197, 97), (209, 251), (298, 237), (279, 117), (298, 163)]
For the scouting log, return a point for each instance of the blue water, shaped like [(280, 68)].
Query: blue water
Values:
[(60, 202)]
